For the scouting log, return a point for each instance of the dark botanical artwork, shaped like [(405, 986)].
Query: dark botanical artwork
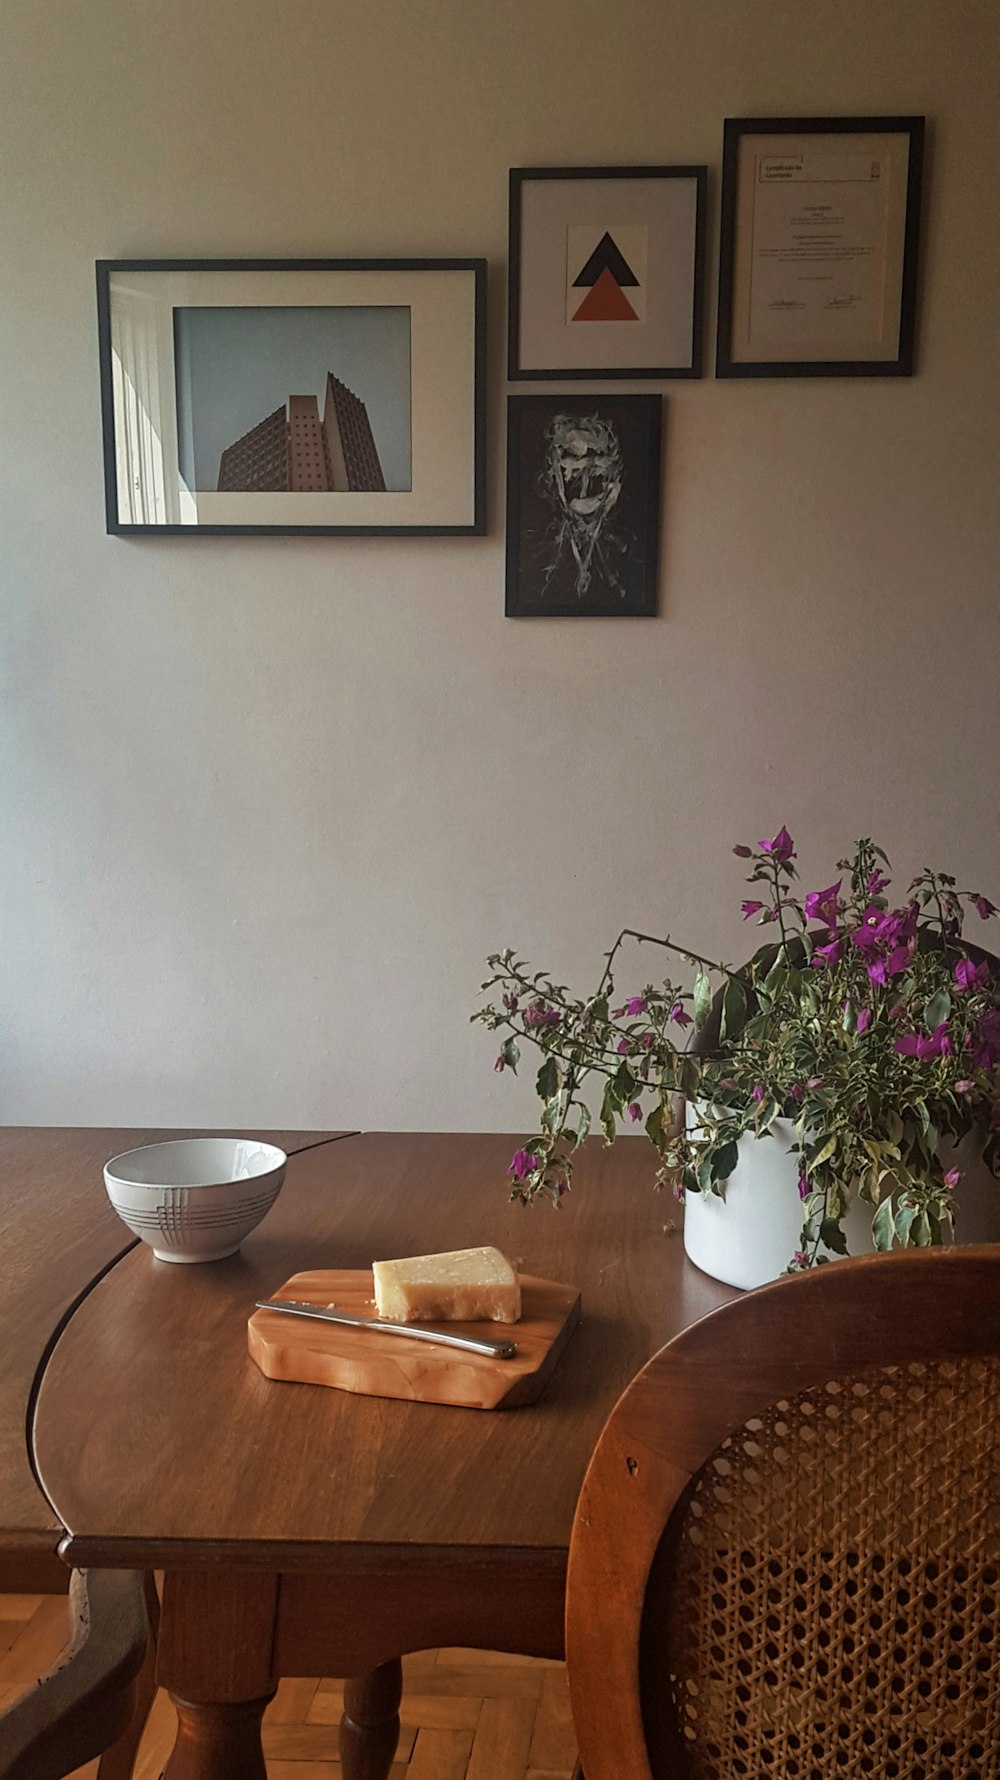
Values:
[(583, 494)]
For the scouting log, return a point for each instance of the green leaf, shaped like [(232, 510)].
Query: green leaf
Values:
[(938, 1008), (654, 1126), (610, 1105), (583, 1125), (689, 1077), (822, 1155), (921, 1231), (702, 999), (832, 1236), (904, 1219), (547, 1083), (511, 1054), (734, 1007), (724, 1160), (883, 1226), (552, 1114)]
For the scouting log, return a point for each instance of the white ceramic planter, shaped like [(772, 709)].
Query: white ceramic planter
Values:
[(749, 1237)]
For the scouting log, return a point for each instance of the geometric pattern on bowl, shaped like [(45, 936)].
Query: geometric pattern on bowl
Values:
[(205, 1221)]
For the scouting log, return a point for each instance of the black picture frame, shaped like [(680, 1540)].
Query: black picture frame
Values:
[(623, 371), (838, 128), (546, 548), (472, 522)]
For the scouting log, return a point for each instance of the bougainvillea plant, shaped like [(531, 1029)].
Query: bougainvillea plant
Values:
[(872, 1026)]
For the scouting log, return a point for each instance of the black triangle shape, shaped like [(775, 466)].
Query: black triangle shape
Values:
[(607, 255)]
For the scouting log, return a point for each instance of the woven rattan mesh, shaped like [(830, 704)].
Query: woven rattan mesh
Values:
[(835, 1608)]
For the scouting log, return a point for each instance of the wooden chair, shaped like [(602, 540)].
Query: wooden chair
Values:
[(786, 1553), (96, 1700)]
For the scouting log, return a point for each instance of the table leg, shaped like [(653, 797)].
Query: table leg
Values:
[(214, 1659), (369, 1729), (218, 1742)]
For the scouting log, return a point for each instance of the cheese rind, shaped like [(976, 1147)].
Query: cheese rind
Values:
[(467, 1285)]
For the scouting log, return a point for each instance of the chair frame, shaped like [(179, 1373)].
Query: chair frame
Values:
[(95, 1700), (799, 1333)]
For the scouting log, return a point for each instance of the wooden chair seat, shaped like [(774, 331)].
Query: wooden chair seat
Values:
[(95, 1701)]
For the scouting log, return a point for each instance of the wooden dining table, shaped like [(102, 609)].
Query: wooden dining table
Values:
[(304, 1530)]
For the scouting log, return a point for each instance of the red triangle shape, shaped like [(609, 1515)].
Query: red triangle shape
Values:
[(605, 301)]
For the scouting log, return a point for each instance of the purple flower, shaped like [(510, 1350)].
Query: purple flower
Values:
[(915, 1044), (877, 973), (965, 1087), (622, 1047), (751, 908), (635, 1111), (522, 1164), (876, 884), (797, 1093), (648, 1041), (510, 1003), (815, 1081), (758, 1093), (824, 905), (539, 1015), (971, 976), (900, 959), (864, 1019), (780, 848), (828, 954), (679, 1014), (953, 1177), (799, 1259), (885, 927), (984, 1049), (984, 907), (636, 1004), (804, 1185), (743, 852), (897, 1012), (500, 1065)]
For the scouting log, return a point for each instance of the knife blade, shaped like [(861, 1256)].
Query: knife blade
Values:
[(503, 1349)]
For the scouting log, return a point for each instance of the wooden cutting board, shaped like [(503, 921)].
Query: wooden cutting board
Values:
[(377, 1365)]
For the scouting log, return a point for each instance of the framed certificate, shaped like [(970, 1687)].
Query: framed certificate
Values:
[(818, 266), (605, 272)]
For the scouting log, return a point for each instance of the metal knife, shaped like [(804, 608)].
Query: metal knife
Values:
[(497, 1350)]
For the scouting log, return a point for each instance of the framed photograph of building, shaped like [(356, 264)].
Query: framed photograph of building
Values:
[(293, 396), (606, 271), (583, 506), (818, 265)]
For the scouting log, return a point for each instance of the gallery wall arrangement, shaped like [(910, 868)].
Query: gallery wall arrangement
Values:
[(327, 397)]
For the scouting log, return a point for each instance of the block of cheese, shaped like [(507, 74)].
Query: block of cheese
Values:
[(466, 1286)]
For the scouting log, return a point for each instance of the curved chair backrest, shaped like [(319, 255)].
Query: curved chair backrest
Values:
[(786, 1553), (94, 1701)]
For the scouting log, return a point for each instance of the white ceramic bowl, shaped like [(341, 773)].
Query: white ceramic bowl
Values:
[(196, 1198)]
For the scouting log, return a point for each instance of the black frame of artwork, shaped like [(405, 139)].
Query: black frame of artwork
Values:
[(475, 527), (647, 407), (737, 127), (621, 373)]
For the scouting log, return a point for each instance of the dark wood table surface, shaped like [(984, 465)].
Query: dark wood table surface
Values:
[(305, 1530), (58, 1234)]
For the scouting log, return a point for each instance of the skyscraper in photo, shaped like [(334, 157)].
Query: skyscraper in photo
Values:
[(293, 451)]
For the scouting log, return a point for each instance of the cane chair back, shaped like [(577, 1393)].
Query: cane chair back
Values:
[(786, 1556)]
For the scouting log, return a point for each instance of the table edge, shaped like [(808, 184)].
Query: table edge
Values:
[(48, 1538)]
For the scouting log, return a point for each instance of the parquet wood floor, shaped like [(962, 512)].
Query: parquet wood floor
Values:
[(466, 1714)]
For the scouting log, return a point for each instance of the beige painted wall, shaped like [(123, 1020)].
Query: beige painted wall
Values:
[(267, 803)]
